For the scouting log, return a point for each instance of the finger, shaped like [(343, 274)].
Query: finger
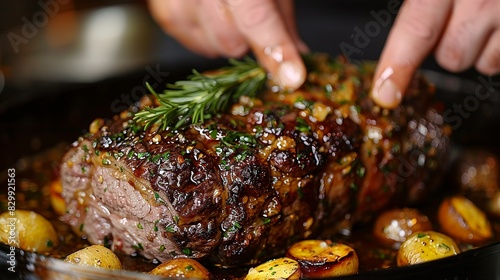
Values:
[(264, 28), (288, 14), (414, 34), (220, 30), (489, 60), (178, 20), (465, 35)]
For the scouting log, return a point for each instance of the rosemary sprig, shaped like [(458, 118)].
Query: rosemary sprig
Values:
[(203, 95)]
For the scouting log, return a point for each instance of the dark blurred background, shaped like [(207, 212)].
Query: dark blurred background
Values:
[(65, 62)]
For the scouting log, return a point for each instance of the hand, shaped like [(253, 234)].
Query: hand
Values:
[(461, 33), (231, 27)]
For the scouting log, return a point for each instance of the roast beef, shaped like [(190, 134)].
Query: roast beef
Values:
[(243, 186)]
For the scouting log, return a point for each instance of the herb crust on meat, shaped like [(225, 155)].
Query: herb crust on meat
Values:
[(242, 186)]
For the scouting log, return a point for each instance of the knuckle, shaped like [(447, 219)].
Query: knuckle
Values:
[(452, 50), (450, 57)]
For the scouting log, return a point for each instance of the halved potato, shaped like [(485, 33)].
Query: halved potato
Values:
[(282, 268), (394, 226), (324, 258), (182, 268), (96, 256), (426, 246), (463, 220), (27, 230)]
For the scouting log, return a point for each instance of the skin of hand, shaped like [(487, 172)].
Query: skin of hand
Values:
[(231, 27), (461, 33)]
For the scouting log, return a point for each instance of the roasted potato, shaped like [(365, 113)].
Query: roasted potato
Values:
[(56, 200), (27, 230), (182, 268), (96, 256), (477, 174), (426, 246), (282, 268), (394, 226), (463, 220), (323, 258)]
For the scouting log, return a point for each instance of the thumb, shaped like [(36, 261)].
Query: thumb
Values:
[(415, 33)]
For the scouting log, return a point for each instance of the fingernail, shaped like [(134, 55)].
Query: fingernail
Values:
[(385, 92), (290, 76)]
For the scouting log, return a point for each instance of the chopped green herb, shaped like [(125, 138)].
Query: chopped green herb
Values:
[(138, 246), (421, 235), (81, 227), (187, 251), (143, 155), (266, 220), (444, 246), (189, 268), (158, 198), (162, 248), (213, 134), (302, 125), (170, 229), (360, 171), (50, 243), (107, 242), (117, 155), (139, 226), (130, 154), (106, 161)]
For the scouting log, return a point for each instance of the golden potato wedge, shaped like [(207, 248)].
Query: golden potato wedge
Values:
[(282, 268), (393, 227), (182, 268), (324, 258), (463, 220), (426, 246), (96, 256), (27, 230)]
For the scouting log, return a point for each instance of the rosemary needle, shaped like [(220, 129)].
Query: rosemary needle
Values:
[(203, 95)]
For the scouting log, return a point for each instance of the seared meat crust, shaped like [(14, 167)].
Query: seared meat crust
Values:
[(242, 187)]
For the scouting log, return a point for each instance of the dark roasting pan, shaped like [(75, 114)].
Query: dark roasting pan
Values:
[(61, 115)]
